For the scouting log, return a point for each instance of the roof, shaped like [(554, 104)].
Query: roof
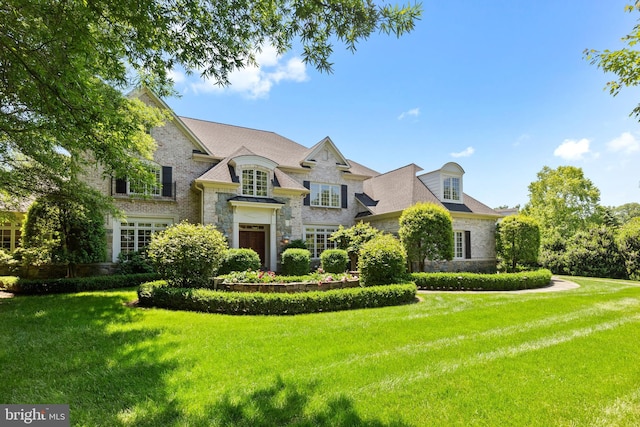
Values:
[(223, 140), (401, 188)]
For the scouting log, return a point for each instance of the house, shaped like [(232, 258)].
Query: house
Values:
[(262, 190)]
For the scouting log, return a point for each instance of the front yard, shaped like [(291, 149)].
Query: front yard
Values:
[(561, 358)]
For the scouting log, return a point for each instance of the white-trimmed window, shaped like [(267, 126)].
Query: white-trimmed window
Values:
[(162, 187), (325, 195), (317, 239), (458, 239), (142, 189), (451, 189), (254, 182), (136, 234), (10, 235)]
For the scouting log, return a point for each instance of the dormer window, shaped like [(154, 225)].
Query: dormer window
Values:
[(254, 182), (451, 189)]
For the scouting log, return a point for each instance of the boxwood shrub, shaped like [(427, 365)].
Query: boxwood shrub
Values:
[(482, 282), (296, 262), (239, 259), (334, 260), (158, 294), (78, 284)]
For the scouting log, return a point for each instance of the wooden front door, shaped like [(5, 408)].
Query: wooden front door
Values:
[(254, 240)]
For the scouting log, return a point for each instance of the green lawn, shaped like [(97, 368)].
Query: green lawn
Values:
[(563, 358)]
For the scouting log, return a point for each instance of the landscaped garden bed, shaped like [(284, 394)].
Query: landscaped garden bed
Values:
[(269, 282), (159, 294)]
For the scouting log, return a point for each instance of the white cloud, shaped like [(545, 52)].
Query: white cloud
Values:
[(571, 149), (176, 76), (625, 143), (414, 112), (464, 153), (257, 81)]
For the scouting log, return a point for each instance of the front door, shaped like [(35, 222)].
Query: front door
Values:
[(253, 240)]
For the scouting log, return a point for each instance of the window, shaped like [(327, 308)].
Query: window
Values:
[(254, 182), (163, 186), (10, 234), (136, 235), (317, 239), (451, 189), (325, 195), (138, 188), (462, 244), (459, 244)]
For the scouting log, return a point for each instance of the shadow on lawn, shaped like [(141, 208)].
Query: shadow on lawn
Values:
[(89, 351), (99, 356), (284, 404)]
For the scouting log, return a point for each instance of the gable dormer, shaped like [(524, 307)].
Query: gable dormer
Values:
[(325, 151), (446, 183)]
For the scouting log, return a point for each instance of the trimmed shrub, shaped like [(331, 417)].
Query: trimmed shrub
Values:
[(482, 282), (77, 284), (242, 259), (158, 294), (334, 260), (188, 255), (382, 261), (295, 244), (296, 262), (426, 233)]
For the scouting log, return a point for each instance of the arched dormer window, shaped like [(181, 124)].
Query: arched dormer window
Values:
[(254, 172), (451, 174), (255, 182)]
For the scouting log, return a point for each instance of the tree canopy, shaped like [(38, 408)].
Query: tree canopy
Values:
[(64, 66), (624, 63), (563, 201)]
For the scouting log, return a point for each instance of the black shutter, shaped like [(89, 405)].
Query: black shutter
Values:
[(167, 181), (467, 245), (121, 186), (344, 196), (307, 198)]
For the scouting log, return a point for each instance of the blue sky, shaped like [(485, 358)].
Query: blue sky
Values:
[(499, 86)]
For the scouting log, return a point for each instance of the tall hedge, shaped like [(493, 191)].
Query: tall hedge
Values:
[(517, 242), (595, 253), (426, 232), (188, 255)]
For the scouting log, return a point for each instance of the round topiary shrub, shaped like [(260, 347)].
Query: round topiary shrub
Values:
[(242, 259), (382, 261), (188, 255), (334, 260), (296, 262)]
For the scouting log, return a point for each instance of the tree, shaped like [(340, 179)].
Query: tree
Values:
[(426, 232), (624, 63), (625, 213), (351, 239), (65, 64), (563, 200), (66, 227), (628, 240), (517, 241)]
